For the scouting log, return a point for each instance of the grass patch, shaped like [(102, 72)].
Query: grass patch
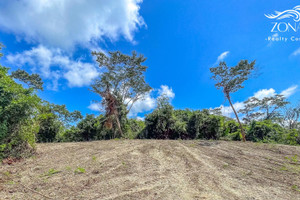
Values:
[(68, 168), (292, 164), (51, 172), (7, 174), (293, 159), (94, 158), (296, 188), (79, 170), (225, 166)]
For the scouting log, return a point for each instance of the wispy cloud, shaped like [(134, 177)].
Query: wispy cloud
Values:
[(289, 91), (221, 57), (296, 52)]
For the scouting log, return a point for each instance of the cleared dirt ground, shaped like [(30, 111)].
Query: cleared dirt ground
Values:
[(155, 169)]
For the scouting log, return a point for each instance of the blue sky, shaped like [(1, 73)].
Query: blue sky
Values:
[(181, 39)]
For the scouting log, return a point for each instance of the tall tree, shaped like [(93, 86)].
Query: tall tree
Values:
[(121, 84), (231, 79), (267, 108)]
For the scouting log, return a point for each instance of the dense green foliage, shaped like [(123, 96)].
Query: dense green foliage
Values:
[(92, 128), (18, 117), (166, 123)]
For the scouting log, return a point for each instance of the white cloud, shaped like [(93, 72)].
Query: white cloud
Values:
[(227, 110), (140, 118), (264, 93), (66, 23), (149, 101), (167, 91), (143, 105), (296, 52), (290, 91), (95, 107), (222, 56), (53, 65)]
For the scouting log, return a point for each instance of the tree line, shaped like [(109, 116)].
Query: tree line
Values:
[(25, 118)]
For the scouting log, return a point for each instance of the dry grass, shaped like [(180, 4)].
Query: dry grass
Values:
[(155, 169)]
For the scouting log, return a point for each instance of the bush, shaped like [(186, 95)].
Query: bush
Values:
[(134, 128), (231, 131), (291, 137), (49, 127), (71, 135), (265, 131), (161, 123), (202, 125), (167, 123)]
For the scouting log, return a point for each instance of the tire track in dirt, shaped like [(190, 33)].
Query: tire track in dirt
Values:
[(210, 176)]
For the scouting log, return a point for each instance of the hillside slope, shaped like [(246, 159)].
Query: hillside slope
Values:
[(155, 169)]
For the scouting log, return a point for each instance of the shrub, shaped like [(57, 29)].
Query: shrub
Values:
[(71, 135), (231, 131), (134, 128), (162, 123), (265, 131), (49, 127), (291, 137), (202, 125)]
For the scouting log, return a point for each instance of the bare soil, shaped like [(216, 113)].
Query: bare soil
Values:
[(155, 169)]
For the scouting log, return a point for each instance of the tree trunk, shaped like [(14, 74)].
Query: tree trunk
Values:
[(237, 117), (119, 125)]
